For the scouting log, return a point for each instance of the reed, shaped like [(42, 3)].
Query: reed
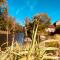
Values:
[(35, 52)]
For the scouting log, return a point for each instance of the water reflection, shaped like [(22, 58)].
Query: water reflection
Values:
[(19, 37)]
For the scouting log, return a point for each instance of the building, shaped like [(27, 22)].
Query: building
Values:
[(57, 25), (50, 29), (58, 22)]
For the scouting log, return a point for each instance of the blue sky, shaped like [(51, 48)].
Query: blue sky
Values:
[(20, 9)]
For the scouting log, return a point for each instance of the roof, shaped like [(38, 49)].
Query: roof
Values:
[(51, 26)]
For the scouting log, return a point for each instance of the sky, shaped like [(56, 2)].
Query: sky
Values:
[(20, 9)]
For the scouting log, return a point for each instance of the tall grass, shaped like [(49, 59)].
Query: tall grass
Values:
[(35, 51)]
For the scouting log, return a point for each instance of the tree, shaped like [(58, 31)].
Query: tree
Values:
[(3, 14), (42, 20), (18, 28), (3, 9), (27, 27)]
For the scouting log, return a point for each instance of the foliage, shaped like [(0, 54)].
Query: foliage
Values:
[(5, 20), (35, 51), (18, 28), (42, 20)]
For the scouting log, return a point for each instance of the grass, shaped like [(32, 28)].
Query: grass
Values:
[(35, 51)]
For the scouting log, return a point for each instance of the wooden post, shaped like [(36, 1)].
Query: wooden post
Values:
[(13, 36), (26, 31), (7, 35), (12, 40), (7, 31)]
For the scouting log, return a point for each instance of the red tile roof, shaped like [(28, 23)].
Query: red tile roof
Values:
[(51, 26)]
